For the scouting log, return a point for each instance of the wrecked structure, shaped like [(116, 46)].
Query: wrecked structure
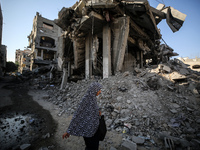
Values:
[(3, 58), (3, 48), (22, 58), (43, 41), (103, 37)]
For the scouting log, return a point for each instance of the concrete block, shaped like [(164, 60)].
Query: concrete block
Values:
[(128, 145)]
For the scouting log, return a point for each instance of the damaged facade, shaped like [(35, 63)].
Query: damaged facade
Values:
[(22, 58), (43, 41), (103, 37), (3, 48)]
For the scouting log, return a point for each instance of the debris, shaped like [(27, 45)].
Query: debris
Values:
[(129, 145), (25, 146), (138, 140)]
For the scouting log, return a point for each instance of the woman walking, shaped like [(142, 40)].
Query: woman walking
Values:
[(85, 121)]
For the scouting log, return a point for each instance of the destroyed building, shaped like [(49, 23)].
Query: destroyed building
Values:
[(43, 41), (103, 37), (3, 48), (3, 58), (22, 58)]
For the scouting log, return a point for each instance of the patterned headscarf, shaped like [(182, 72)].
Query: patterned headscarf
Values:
[(85, 121)]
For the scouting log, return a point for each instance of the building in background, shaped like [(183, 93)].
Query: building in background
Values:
[(43, 41), (22, 58), (18, 54)]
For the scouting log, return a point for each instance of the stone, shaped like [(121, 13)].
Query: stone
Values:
[(25, 146), (164, 68), (108, 122), (112, 148), (128, 145), (198, 120), (119, 98), (128, 101), (184, 71), (175, 105), (127, 73), (177, 76), (173, 111), (138, 140)]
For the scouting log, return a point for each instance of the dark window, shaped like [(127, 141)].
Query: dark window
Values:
[(48, 26), (39, 52)]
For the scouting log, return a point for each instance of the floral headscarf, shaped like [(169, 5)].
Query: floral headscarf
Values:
[(85, 121)]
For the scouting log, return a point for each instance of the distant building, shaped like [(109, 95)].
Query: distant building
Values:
[(43, 41), (22, 58), (18, 54)]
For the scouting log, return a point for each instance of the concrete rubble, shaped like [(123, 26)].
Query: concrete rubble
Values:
[(149, 107)]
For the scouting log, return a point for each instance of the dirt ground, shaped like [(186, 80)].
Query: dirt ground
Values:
[(27, 118), (34, 121)]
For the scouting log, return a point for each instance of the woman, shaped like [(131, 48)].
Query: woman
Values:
[(85, 121)]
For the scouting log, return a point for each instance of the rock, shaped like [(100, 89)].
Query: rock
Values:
[(147, 121), (127, 73), (25, 146), (45, 97), (189, 131), (138, 140), (184, 71), (112, 148), (175, 105), (164, 68), (128, 145), (173, 111), (108, 122), (128, 101), (43, 148), (119, 98), (176, 76), (198, 120)]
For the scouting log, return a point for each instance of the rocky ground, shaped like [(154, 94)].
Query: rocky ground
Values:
[(151, 108)]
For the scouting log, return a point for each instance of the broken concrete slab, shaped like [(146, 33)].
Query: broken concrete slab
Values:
[(175, 76), (128, 145), (164, 68)]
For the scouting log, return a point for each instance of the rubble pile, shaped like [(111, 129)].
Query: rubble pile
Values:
[(156, 107)]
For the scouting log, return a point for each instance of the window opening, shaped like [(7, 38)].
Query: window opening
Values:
[(48, 26)]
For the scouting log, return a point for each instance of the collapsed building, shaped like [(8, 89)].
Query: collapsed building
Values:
[(3, 48), (22, 58), (103, 37), (43, 41)]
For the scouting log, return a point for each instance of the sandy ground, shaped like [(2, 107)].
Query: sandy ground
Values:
[(73, 143), (19, 98)]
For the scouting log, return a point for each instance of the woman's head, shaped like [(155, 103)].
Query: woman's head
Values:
[(94, 88)]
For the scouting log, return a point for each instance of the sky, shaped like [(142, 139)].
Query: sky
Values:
[(18, 18)]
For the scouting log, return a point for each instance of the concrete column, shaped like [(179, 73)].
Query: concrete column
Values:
[(88, 61), (36, 53), (138, 59), (120, 30), (64, 78), (69, 69), (42, 52), (141, 59), (106, 51), (31, 63)]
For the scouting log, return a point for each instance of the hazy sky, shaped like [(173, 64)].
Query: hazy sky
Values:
[(18, 20)]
